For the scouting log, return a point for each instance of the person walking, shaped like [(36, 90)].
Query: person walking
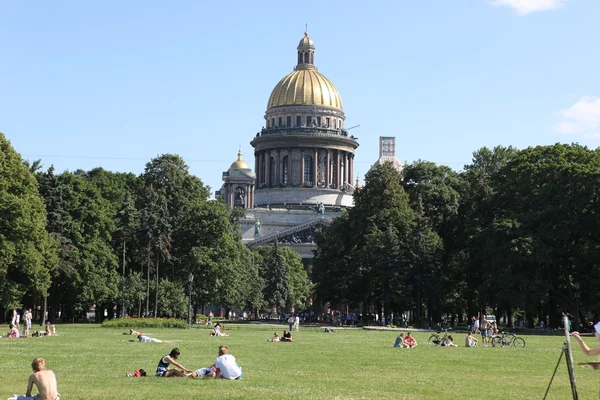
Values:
[(297, 322)]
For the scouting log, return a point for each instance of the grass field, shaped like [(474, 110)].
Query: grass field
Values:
[(90, 362)]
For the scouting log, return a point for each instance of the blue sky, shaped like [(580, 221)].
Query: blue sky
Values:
[(115, 83)]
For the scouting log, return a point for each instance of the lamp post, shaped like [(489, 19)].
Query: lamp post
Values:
[(190, 280)]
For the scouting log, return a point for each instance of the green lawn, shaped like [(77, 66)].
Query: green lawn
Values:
[(91, 362)]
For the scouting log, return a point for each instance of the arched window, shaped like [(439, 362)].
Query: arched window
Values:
[(239, 199), (299, 57), (308, 169), (306, 61), (272, 172), (284, 171)]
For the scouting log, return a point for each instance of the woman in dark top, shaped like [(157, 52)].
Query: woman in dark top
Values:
[(169, 359)]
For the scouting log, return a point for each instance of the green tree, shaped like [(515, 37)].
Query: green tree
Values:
[(27, 253)]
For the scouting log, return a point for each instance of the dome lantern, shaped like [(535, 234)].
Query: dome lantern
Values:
[(306, 53)]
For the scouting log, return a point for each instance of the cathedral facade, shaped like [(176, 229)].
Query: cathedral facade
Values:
[(303, 162)]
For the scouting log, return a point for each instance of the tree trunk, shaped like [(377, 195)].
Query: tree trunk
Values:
[(156, 295), (148, 284), (44, 311), (123, 282)]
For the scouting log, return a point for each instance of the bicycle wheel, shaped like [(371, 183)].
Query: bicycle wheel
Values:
[(434, 340), (496, 341), (518, 342)]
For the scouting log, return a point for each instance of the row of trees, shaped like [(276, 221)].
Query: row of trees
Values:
[(78, 239), (515, 233)]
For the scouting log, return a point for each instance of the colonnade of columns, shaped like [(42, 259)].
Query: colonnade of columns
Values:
[(338, 164)]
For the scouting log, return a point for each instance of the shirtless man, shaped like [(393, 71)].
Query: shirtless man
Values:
[(44, 380)]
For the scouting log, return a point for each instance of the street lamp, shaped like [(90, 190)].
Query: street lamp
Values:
[(190, 280)]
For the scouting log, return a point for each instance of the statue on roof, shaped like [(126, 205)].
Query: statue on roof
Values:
[(257, 228), (320, 208)]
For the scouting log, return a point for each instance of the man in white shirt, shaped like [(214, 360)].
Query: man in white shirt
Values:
[(226, 365), (297, 323)]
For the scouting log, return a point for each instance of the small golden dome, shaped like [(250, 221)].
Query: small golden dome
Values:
[(305, 41), (239, 164), (305, 87)]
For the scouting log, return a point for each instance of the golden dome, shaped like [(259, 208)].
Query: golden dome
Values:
[(305, 41), (239, 164), (305, 87)]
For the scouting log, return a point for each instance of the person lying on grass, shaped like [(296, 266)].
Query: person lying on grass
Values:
[(207, 372), (148, 339), (410, 341), (134, 332), (168, 360), (276, 338)]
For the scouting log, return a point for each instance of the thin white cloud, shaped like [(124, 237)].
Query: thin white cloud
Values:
[(581, 119), (524, 7)]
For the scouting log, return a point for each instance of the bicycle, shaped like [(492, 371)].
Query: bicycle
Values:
[(509, 340), (435, 340)]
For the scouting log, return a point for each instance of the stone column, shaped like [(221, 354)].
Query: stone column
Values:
[(301, 167), (346, 168), (260, 176), (339, 169), (328, 168), (268, 168), (278, 168), (256, 164), (316, 167), (351, 166)]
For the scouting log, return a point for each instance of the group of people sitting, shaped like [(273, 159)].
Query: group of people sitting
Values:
[(14, 333), (405, 342), (225, 367), (287, 337)]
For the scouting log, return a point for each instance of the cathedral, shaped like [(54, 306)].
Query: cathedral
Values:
[(303, 162)]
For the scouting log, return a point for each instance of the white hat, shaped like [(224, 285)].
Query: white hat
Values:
[(597, 327)]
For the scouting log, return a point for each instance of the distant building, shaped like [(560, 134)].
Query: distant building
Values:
[(303, 157), (387, 153)]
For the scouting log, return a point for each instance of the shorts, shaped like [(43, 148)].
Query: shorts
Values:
[(28, 324), (161, 371), (484, 332)]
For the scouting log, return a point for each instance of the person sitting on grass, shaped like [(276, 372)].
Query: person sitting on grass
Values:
[(470, 340), (14, 332), (218, 330), (227, 367), (44, 380), (134, 332), (168, 360), (448, 341), (399, 343), (410, 341), (287, 336), (276, 338)]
